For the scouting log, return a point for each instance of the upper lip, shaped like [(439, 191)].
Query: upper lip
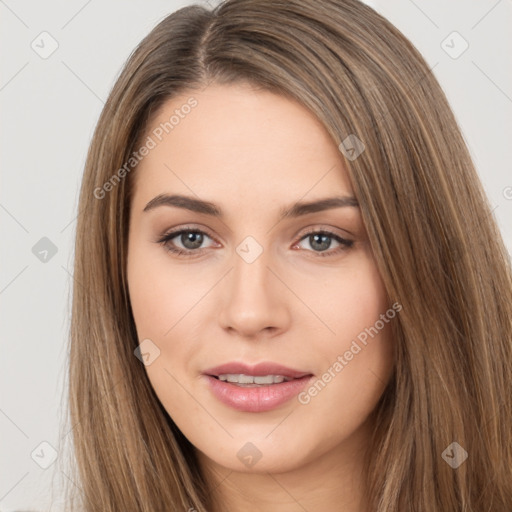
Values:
[(260, 369)]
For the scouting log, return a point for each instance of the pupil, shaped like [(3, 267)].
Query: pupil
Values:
[(320, 241), (192, 240)]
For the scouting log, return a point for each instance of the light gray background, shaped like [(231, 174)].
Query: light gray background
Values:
[(49, 110)]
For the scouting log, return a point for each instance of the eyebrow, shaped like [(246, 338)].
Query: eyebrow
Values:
[(207, 208)]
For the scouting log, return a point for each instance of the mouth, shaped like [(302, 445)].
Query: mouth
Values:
[(256, 388)]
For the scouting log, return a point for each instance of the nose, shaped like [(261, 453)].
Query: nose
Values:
[(253, 301)]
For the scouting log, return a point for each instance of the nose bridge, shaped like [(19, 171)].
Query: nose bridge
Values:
[(252, 302), (250, 273)]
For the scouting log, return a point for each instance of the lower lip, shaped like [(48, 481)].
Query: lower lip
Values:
[(256, 399)]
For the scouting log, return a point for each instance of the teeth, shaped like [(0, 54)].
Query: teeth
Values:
[(240, 378)]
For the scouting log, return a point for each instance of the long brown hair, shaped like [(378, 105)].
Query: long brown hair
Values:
[(435, 242)]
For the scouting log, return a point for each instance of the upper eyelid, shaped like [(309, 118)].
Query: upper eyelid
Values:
[(172, 233)]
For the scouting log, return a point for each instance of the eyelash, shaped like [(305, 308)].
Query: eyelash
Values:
[(344, 243)]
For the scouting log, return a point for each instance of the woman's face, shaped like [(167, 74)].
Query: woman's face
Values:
[(274, 279)]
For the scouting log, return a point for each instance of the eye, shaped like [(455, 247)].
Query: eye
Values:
[(321, 240), (191, 241)]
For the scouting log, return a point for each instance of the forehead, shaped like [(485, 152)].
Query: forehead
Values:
[(235, 140)]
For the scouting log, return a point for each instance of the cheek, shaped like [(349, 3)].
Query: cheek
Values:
[(163, 301), (364, 327), (346, 301), (356, 360), (166, 303), (160, 296)]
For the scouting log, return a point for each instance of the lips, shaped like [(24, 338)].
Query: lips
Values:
[(257, 370), (251, 397)]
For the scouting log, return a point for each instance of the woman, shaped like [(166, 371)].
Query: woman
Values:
[(292, 294)]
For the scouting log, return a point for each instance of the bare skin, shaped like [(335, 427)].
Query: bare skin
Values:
[(253, 153)]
